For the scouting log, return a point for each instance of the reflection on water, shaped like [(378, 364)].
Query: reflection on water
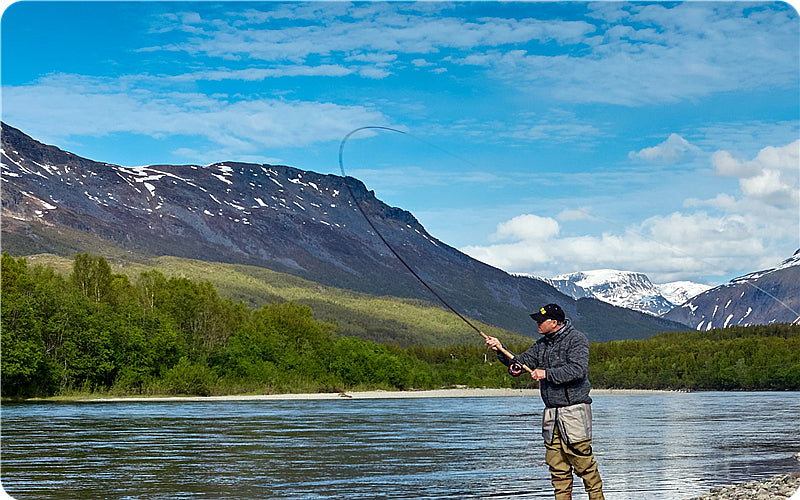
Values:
[(654, 446)]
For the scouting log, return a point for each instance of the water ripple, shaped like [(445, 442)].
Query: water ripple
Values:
[(658, 446)]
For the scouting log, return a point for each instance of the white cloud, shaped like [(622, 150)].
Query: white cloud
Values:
[(646, 54), (236, 126), (727, 166), (527, 227), (257, 74), (576, 214), (665, 54), (771, 178), (556, 132), (673, 149), (714, 237), (374, 73), (665, 248), (766, 185), (375, 32)]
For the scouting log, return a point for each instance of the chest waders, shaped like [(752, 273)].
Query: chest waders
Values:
[(567, 434)]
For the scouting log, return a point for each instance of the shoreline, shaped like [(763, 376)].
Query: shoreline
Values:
[(780, 487), (434, 393)]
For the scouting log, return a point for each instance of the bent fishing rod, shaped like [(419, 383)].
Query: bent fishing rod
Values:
[(500, 348)]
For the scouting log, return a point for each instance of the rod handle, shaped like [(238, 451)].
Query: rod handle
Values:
[(508, 354)]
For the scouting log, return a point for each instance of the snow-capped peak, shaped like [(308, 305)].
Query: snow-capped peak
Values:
[(602, 277), (629, 289), (679, 292)]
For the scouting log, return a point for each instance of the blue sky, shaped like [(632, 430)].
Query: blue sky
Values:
[(542, 138)]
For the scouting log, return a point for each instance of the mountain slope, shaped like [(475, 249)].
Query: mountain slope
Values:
[(277, 217), (760, 298)]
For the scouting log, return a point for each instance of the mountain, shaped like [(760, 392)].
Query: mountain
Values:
[(679, 292), (627, 289), (760, 298), (621, 288), (272, 216)]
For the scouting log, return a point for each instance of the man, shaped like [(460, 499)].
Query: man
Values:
[(560, 362)]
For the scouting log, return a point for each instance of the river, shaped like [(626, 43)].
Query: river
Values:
[(659, 446)]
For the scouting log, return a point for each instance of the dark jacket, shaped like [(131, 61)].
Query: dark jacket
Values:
[(564, 355)]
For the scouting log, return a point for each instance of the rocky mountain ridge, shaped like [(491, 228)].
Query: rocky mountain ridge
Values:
[(627, 289), (762, 297), (758, 298), (273, 216)]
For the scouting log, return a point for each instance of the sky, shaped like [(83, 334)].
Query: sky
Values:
[(540, 138)]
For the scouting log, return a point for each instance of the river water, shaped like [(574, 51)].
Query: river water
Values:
[(649, 446)]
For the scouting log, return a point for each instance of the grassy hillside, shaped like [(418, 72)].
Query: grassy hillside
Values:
[(388, 320)]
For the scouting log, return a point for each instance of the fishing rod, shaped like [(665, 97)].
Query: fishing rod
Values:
[(500, 348)]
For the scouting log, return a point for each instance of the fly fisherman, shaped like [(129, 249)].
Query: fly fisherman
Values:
[(561, 362)]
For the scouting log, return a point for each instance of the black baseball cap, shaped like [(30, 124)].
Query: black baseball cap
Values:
[(550, 311)]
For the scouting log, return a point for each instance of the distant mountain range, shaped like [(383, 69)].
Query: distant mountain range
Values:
[(276, 217), (759, 298), (763, 297), (626, 289)]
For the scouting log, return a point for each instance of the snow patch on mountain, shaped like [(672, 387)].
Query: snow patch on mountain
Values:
[(679, 292), (759, 298), (792, 261), (627, 289)]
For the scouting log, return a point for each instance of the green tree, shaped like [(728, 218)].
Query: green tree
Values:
[(92, 275), (151, 290), (34, 304), (23, 349)]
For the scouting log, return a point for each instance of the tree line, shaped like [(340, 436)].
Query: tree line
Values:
[(759, 357), (95, 331)]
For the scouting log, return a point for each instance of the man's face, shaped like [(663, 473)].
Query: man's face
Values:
[(548, 326)]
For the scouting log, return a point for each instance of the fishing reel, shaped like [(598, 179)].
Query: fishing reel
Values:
[(515, 369)]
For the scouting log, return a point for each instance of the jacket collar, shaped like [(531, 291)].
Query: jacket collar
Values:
[(560, 332)]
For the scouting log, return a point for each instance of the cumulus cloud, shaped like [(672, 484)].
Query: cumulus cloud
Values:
[(771, 177), (712, 237), (673, 149), (666, 248), (527, 227)]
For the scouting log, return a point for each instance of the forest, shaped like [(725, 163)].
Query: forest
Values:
[(97, 332)]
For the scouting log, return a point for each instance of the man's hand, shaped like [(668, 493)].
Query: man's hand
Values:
[(493, 343), (538, 374)]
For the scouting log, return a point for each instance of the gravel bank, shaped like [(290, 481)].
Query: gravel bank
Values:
[(773, 488), (439, 393)]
